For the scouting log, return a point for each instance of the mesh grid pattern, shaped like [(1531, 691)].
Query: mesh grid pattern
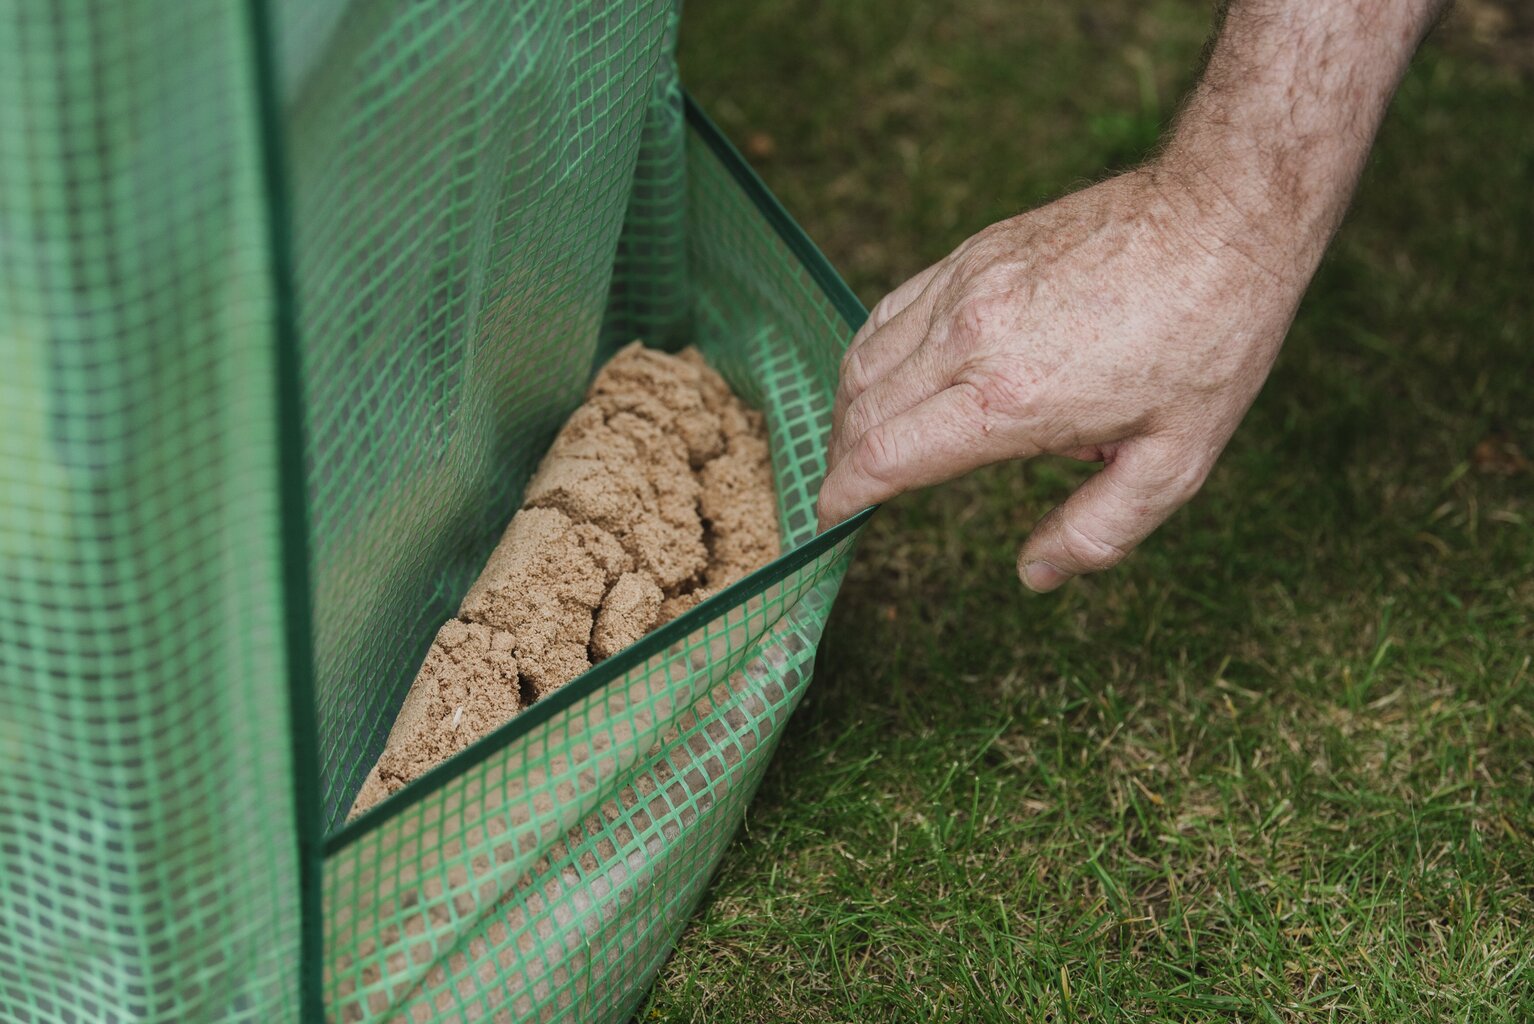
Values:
[(460, 172), (548, 882), (148, 865), (548, 879), (649, 296), (486, 200)]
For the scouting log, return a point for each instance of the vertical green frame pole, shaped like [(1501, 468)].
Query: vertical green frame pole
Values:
[(292, 487)]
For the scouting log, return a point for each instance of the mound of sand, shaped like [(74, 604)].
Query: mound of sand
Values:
[(656, 493)]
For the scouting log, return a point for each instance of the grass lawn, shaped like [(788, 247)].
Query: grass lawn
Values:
[(1280, 765)]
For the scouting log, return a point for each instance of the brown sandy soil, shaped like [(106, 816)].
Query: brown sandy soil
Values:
[(656, 493)]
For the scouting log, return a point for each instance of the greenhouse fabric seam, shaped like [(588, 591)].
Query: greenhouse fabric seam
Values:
[(294, 536)]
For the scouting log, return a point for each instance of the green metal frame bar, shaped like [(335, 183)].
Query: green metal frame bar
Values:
[(293, 500)]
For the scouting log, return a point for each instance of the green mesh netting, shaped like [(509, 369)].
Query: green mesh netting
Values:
[(293, 296)]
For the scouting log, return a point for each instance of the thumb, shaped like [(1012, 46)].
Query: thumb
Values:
[(1097, 526)]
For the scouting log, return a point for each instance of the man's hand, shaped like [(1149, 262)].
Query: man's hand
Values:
[(1115, 325), (1134, 322)]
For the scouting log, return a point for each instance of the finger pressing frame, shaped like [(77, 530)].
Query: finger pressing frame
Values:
[(938, 439), (1113, 511)]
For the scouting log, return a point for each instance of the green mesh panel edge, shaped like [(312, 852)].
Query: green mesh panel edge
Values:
[(544, 873)]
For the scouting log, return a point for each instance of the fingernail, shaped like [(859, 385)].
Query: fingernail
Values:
[(1041, 577)]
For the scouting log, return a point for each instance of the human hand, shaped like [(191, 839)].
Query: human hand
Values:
[(1131, 323)]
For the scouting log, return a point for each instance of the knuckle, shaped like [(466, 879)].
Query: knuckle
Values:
[(850, 354), (849, 360), (883, 310), (859, 415), (977, 255), (839, 406), (1175, 476), (877, 455), (1005, 389), (1188, 481), (853, 372), (975, 318), (1088, 549)]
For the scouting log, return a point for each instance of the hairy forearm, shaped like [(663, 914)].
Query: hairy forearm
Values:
[(1271, 142)]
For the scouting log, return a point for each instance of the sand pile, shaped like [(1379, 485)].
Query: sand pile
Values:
[(656, 493)]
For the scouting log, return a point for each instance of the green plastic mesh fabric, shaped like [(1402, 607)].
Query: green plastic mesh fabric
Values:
[(293, 297), (149, 866)]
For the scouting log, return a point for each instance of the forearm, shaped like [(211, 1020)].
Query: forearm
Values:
[(1270, 144)]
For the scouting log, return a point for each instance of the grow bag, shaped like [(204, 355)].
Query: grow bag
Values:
[(293, 296)]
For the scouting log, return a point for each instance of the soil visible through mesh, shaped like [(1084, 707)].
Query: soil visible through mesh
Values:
[(656, 493)]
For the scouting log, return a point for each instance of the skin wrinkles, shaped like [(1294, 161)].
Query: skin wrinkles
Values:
[(1131, 323)]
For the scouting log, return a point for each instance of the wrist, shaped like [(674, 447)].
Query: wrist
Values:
[(1234, 219), (1270, 144)]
